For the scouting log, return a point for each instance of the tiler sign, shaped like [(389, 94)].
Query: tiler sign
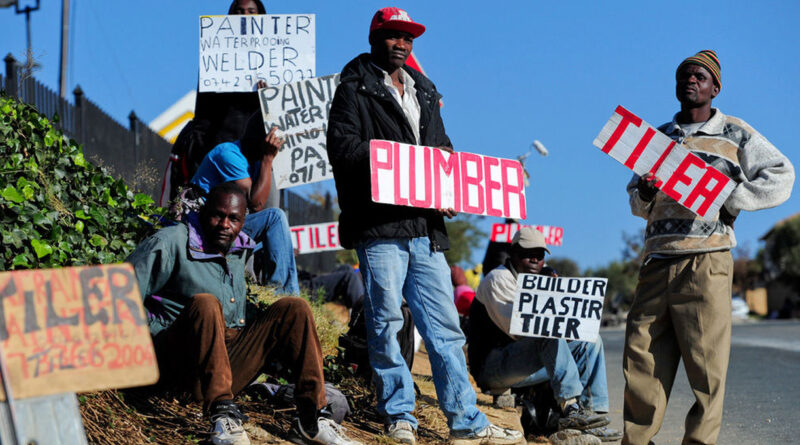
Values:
[(312, 238), (432, 178), (682, 175)]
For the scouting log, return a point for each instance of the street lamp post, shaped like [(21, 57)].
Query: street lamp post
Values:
[(27, 10)]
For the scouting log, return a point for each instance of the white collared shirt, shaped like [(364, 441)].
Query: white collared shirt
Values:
[(408, 101)]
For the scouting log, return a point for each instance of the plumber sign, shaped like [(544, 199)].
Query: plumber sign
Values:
[(236, 51), (428, 177), (682, 175), (558, 307)]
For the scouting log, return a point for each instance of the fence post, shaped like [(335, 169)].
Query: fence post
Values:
[(79, 120), (11, 75), (134, 127)]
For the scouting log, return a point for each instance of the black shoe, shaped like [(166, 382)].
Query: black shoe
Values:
[(578, 418)]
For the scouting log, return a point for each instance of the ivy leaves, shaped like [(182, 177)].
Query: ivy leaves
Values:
[(56, 207)]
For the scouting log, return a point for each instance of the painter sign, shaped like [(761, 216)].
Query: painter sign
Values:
[(428, 177), (558, 307), (504, 233), (74, 329), (300, 112), (313, 238), (236, 51), (683, 176)]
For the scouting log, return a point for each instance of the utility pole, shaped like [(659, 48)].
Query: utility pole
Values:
[(62, 65)]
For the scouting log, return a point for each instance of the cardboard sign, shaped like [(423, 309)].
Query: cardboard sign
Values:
[(300, 112), (236, 51), (504, 233), (313, 238), (428, 177), (568, 308), (683, 176), (74, 329)]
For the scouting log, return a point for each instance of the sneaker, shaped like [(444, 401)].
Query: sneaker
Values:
[(227, 424), (573, 437), (605, 434), (578, 418), (492, 434), (402, 432), (328, 433)]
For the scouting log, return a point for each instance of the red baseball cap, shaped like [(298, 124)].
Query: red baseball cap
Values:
[(395, 19)]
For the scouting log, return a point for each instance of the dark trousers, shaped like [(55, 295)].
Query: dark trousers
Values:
[(199, 354)]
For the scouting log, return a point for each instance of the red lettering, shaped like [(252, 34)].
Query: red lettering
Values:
[(490, 185), (648, 135), (627, 118), (296, 231), (557, 236), (467, 180), (333, 235), (509, 189), (311, 244), (375, 165), (450, 168), (680, 176), (398, 199), (660, 161), (701, 189), (319, 239), (497, 230), (412, 165)]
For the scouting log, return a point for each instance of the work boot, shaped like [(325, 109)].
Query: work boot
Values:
[(577, 418), (605, 433), (572, 437)]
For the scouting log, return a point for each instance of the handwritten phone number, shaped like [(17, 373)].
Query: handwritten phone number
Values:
[(77, 356), (274, 77)]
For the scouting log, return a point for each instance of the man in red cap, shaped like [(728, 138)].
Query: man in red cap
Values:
[(682, 306), (400, 248)]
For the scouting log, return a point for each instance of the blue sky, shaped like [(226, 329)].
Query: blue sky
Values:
[(510, 72)]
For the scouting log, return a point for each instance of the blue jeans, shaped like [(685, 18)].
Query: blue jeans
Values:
[(270, 228), (406, 267), (575, 369)]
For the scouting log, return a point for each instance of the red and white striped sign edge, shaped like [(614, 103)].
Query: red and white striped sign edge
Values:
[(683, 175), (427, 177), (310, 238), (504, 233)]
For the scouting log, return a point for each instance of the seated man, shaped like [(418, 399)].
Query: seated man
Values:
[(498, 360), (248, 164), (191, 276)]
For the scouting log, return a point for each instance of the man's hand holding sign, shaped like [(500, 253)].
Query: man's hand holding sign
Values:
[(654, 156)]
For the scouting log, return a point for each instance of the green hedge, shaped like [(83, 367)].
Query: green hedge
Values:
[(59, 209)]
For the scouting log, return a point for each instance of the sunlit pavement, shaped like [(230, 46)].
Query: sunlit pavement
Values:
[(762, 392)]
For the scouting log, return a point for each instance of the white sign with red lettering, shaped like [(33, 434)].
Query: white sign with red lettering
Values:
[(504, 233), (432, 178), (683, 176), (313, 238)]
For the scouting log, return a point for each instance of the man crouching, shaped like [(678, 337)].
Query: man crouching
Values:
[(191, 277)]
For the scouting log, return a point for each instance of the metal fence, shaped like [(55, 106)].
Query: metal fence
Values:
[(136, 154)]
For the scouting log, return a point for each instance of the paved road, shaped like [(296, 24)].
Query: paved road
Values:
[(762, 398)]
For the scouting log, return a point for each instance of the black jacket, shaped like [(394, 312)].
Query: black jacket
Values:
[(364, 109)]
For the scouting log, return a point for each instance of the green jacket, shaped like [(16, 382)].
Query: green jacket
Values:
[(171, 266)]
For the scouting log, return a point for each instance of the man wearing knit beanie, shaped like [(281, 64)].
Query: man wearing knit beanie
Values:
[(682, 306)]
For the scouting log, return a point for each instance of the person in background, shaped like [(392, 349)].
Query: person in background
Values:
[(400, 248), (498, 360), (248, 164), (682, 305)]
